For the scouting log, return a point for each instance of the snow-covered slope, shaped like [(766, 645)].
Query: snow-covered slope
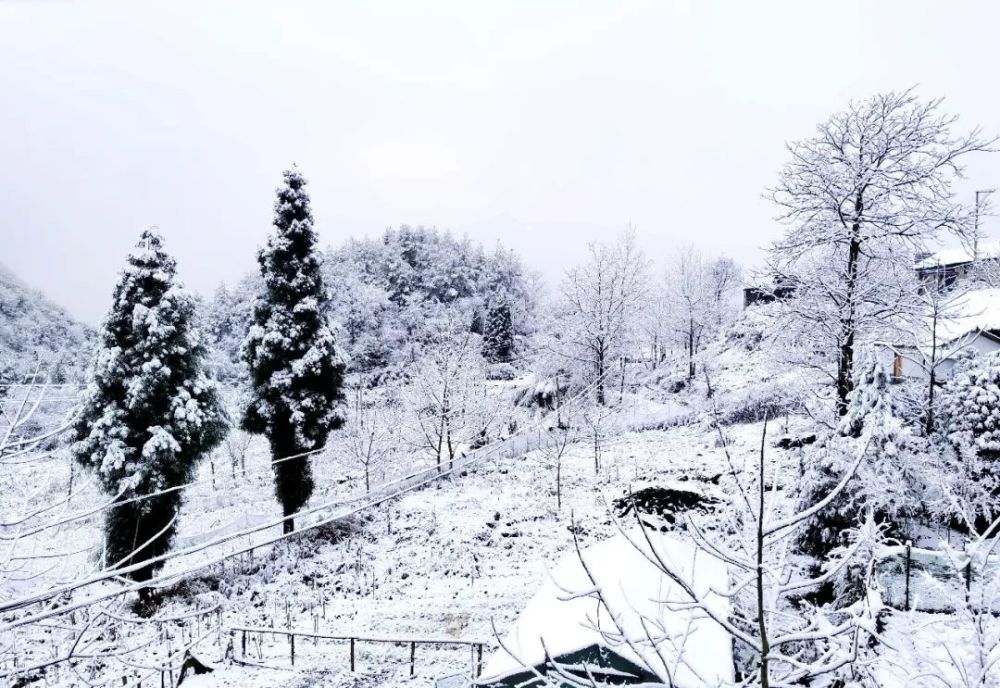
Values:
[(34, 331)]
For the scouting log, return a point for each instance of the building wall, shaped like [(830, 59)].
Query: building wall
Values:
[(903, 367)]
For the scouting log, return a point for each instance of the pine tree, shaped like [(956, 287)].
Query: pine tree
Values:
[(970, 402), (297, 372), (150, 411), (886, 482), (498, 332), (970, 406)]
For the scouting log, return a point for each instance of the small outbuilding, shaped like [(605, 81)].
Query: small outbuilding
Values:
[(641, 632)]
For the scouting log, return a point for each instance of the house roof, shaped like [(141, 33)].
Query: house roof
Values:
[(959, 254), (971, 312), (555, 622)]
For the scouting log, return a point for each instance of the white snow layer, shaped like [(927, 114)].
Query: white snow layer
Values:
[(689, 650), (959, 254)]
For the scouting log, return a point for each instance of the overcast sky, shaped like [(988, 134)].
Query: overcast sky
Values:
[(541, 125)]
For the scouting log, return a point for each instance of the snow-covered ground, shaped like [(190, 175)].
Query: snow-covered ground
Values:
[(458, 558), (450, 560)]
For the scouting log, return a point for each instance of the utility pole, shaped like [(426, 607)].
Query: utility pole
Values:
[(984, 194)]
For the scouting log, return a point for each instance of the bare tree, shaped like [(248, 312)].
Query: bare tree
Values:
[(236, 445), (935, 326), (600, 306), (449, 397), (560, 438), (701, 299), (792, 643), (371, 433), (595, 421), (862, 197)]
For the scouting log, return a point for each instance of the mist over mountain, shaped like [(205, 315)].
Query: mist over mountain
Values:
[(37, 334)]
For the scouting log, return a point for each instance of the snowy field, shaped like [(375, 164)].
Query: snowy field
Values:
[(456, 558), (450, 560)]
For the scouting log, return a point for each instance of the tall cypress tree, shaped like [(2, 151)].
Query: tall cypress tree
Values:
[(150, 411), (297, 372)]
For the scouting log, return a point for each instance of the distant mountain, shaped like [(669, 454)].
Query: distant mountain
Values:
[(37, 333)]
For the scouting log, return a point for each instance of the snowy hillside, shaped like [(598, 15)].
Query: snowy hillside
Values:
[(408, 459), (36, 333)]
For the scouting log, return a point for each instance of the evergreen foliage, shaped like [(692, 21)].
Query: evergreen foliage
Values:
[(297, 372), (886, 484), (150, 411), (391, 289), (970, 402), (498, 333)]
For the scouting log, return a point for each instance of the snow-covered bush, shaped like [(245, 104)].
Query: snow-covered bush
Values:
[(970, 423), (504, 372)]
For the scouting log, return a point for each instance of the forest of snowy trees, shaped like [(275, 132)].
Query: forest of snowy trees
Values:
[(394, 437)]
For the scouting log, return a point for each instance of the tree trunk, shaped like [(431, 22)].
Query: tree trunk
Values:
[(765, 646), (845, 362), (600, 376), (621, 388), (559, 483), (691, 350), (597, 452)]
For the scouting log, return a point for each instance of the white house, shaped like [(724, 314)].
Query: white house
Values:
[(971, 323)]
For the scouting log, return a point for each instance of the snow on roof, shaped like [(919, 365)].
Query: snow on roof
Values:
[(959, 254), (973, 311), (697, 650)]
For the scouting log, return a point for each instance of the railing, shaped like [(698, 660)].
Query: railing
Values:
[(931, 580), (245, 632)]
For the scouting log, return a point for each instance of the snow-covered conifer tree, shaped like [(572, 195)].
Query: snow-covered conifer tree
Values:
[(498, 332), (150, 411), (971, 403), (297, 371), (887, 481)]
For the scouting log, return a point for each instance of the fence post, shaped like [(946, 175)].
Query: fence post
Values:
[(968, 578), (909, 546), (479, 659), (291, 640), (243, 644), (352, 654), (413, 654)]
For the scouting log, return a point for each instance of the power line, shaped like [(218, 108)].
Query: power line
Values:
[(430, 475)]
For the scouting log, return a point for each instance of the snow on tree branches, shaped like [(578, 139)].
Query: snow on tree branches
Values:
[(862, 197), (150, 411), (888, 484), (971, 401), (297, 371)]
